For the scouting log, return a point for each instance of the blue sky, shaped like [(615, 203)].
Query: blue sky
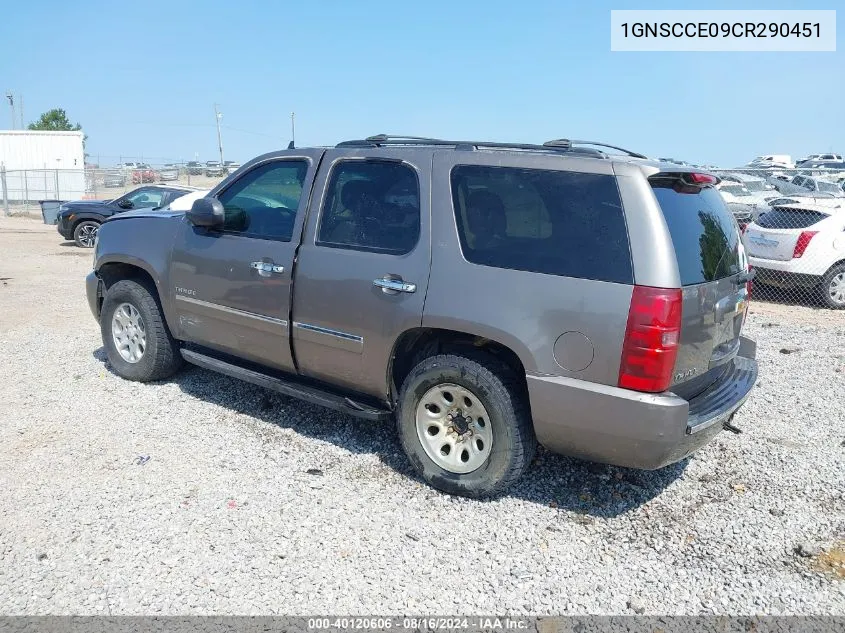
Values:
[(142, 77)]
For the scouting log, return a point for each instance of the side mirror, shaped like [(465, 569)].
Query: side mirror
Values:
[(206, 212), (125, 204)]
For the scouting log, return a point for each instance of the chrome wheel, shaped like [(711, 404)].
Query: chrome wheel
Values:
[(454, 428), (129, 333), (836, 289), (87, 235)]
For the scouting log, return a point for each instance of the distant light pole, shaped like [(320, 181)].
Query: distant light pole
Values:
[(217, 117), (293, 129), (11, 99)]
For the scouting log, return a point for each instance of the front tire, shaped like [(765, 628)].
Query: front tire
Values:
[(465, 425), (138, 343), (85, 233), (832, 288)]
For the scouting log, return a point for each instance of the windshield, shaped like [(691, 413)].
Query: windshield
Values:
[(755, 185), (736, 190), (830, 187)]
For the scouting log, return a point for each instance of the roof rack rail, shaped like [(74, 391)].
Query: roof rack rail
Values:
[(596, 144), (380, 140), (560, 145)]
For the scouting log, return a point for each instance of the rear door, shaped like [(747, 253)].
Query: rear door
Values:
[(711, 262), (363, 267), (775, 233), (231, 287)]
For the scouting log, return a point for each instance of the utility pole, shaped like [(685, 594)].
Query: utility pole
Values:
[(293, 128), (217, 117), (11, 99)]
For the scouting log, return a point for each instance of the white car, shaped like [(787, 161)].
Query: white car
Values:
[(821, 158), (770, 161), (801, 245), (184, 203)]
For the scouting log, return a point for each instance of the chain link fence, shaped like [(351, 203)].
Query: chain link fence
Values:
[(793, 232), (29, 192)]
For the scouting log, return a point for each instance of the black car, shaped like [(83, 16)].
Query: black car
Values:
[(80, 220)]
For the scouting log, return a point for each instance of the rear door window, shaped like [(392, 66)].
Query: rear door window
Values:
[(554, 222), (704, 232), (780, 218), (371, 205)]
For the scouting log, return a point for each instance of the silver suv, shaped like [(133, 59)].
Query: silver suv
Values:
[(486, 296)]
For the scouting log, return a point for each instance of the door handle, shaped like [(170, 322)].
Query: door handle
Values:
[(265, 269), (392, 286)]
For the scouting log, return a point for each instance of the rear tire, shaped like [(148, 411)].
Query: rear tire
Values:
[(481, 387), (832, 288), (85, 233), (138, 343)]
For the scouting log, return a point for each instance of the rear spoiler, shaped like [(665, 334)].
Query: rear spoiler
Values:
[(694, 178)]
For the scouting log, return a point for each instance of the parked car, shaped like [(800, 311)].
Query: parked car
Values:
[(801, 245), (591, 303), (823, 167), (144, 173), (184, 203), (772, 161), (231, 166), (214, 168), (169, 172), (129, 167), (80, 220), (114, 178), (820, 159), (740, 202), (193, 168), (801, 184)]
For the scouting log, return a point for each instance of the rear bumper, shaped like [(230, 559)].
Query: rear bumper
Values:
[(782, 278), (636, 430)]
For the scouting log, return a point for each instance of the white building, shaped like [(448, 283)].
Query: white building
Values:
[(42, 165)]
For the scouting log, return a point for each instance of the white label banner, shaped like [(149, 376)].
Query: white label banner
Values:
[(723, 30)]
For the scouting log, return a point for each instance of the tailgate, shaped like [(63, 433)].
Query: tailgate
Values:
[(771, 243), (775, 233), (713, 271)]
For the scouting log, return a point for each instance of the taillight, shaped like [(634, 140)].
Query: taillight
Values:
[(802, 243), (651, 339)]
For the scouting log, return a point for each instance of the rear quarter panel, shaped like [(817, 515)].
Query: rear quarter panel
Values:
[(524, 311)]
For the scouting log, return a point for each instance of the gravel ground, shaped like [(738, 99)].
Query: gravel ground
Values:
[(252, 503)]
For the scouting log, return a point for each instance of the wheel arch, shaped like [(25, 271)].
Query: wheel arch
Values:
[(416, 343), (85, 217), (118, 268)]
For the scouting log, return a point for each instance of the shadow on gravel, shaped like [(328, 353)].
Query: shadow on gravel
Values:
[(73, 244), (585, 488)]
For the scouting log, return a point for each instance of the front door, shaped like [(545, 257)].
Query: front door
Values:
[(362, 272), (231, 287)]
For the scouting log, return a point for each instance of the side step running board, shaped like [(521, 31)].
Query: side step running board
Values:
[(293, 389)]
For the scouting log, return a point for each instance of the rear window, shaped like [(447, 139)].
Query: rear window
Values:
[(704, 232), (780, 218), (553, 222)]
